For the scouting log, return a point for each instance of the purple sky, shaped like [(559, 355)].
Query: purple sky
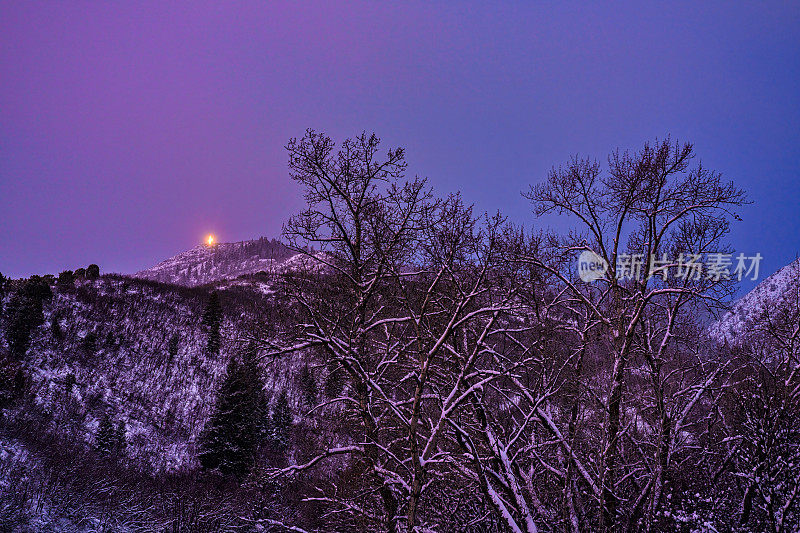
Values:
[(129, 130)]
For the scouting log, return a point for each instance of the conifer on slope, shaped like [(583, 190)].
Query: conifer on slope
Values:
[(231, 436)]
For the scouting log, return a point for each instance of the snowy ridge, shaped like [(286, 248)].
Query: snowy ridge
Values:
[(206, 264), (769, 296)]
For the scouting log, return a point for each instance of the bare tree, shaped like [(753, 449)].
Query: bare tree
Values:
[(647, 204), (472, 355), (408, 303)]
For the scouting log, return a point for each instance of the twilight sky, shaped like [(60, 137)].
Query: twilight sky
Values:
[(129, 130)]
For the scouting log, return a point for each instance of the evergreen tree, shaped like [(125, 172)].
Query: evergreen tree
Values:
[(89, 343), (105, 439), (172, 348), (69, 382), (261, 407), (281, 423), (119, 437), (25, 312), (92, 271), (66, 278), (212, 319), (3, 283), (55, 327), (12, 381), (308, 386), (230, 438), (80, 273)]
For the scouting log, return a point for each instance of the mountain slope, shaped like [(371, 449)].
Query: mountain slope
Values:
[(105, 350), (205, 264), (765, 301)]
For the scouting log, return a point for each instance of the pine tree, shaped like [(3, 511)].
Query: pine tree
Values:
[(3, 283), (230, 438), (89, 343), (260, 404), (212, 318), (66, 278), (69, 382), (308, 386), (92, 271), (119, 437), (105, 439), (172, 348), (281, 423), (110, 440), (55, 327), (12, 381), (25, 312)]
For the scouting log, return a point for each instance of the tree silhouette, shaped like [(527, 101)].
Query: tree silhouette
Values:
[(281, 423), (229, 441), (92, 271), (24, 313), (212, 318), (104, 440)]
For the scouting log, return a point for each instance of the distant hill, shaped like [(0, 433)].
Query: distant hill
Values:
[(763, 303), (205, 264)]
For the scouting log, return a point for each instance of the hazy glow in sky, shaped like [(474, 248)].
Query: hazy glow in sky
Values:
[(130, 131)]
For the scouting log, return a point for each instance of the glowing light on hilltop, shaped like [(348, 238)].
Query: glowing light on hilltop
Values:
[(210, 240)]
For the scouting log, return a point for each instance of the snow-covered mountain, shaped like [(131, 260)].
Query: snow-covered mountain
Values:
[(765, 301), (205, 264)]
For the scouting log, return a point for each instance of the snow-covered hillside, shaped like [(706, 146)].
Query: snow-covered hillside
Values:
[(104, 350), (209, 263), (763, 302)]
